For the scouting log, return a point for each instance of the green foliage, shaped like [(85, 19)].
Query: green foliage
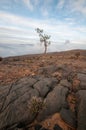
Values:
[(44, 38), (36, 104)]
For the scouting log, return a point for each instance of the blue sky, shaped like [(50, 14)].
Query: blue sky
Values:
[(62, 19)]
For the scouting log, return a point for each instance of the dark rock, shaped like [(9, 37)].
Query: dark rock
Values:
[(82, 78), (65, 83), (37, 127), (65, 69), (71, 76), (14, 102), (21, 125), (47, 70), (54, 102), (68, 116), (81, 109), (24, 83), (43, 128), (3, 93), (65, 105), (45, 85), (57, 127), (37, 77)]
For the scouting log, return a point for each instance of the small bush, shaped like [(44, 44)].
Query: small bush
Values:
[(77, 54), (35, 105)]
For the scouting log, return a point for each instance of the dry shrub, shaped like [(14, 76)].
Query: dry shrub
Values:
[(36, 104), (77, 54)]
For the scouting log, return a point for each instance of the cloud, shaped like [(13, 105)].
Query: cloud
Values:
[(29, 4), (36, 2), (14, 20), (44, 11), (21, 27), (60, 4), (78, 6), (60, 20), (46, 7)]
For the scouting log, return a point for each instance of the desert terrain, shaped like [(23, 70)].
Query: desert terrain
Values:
[(54, 82)]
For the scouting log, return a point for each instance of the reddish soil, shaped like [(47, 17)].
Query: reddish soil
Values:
[(13, 68)]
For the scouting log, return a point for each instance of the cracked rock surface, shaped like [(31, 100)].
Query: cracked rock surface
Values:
[(14, 101)]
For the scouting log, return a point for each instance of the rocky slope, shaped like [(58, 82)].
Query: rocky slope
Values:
[(40, 92)]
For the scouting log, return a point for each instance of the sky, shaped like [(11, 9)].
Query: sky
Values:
[(64, 20)]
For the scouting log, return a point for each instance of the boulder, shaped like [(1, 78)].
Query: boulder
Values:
[(14, 102), (47, 70), (37, 127), (81, 109), (53, 102), (45, 85), (82, 78), (65, 83), (69, 117), (57, 127)]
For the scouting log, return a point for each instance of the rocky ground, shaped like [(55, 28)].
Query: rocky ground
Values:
[(43, 92)]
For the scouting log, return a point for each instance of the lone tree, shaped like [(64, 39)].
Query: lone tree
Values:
[(44, 38)]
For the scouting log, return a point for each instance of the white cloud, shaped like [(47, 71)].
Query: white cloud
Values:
[(20, 27), (78, 6), (44, 12), (29, 4), (60, 4), (81, 29), (46, 7), (36, 2), (48, 2), (10, 19)]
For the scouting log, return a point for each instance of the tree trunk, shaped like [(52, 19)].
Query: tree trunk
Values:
[(45, 51)]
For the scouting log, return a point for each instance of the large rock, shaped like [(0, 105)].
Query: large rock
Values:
[(81, 109), (82, 78), (3, 93), (45, 85), (69, 117), (53, 102), (57, 127), (14, 102), (47, 70), (65, 83)]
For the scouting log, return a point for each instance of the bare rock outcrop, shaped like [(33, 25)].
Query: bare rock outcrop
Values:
[(81, 109), (15, 99)]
